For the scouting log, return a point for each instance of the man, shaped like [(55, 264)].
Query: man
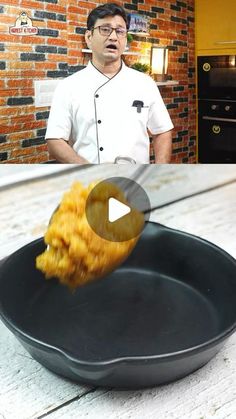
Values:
[(102, 112)]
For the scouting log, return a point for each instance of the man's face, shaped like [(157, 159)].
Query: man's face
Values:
[(108, 48)]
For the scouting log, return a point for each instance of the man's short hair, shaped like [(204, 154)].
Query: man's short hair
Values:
[(108, 9)]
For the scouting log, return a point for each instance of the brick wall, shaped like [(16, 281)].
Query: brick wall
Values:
[(55, 52)]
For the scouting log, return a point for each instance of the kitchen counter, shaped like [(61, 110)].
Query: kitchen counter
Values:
[(197, 199)]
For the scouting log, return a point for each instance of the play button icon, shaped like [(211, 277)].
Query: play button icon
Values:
[(117, 208)]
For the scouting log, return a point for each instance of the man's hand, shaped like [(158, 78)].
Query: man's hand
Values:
[(162, 144), (61, 151)]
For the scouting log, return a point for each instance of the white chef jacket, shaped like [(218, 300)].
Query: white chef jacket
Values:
[(98, 116)]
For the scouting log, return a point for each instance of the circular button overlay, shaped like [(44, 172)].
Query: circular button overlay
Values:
[(117, 208)]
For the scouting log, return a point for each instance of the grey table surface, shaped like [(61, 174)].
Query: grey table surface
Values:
[(197, 199)]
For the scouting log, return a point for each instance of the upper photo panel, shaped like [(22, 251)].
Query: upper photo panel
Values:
[(133, 82)]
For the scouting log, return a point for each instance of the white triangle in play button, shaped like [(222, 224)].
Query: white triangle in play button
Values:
[(116, 209)]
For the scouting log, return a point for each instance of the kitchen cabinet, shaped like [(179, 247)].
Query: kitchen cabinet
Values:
[(215, 27)]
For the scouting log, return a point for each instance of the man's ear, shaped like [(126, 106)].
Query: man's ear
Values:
[(88, 35)]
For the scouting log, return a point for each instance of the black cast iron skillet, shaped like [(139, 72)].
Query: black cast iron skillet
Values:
[(163, 314)]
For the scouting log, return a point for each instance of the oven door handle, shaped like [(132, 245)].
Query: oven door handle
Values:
[(211, 118)]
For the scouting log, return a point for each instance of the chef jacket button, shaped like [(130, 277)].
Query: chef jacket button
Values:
[(99, 121), (96, 95), (101, 148)]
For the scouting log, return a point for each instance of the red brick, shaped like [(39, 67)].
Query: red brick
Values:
[(74, 53), (7, 74), (20, 64), (33, 73), (82, 19), (9, 92), (20, 136), (87, 4), (20, 83), (3, 102), (57, 57), (41, 148), (10, 20), (31, 4), (33, 125), (22, 119), (38, 158), (77, 10), (75, 37), (57, 25), (27, 92), (10, 146), (47, 65), (22, 151), (10, 38), (72, 61), (59, 42), (8, 129), (12, 10), (31, 40), (10, 2), (55, 8)]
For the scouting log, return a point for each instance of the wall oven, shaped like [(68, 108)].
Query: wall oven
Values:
[(217, 77), (217, 109), (217, 131)]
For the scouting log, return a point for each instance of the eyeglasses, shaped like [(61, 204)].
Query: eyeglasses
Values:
[(107, 31)]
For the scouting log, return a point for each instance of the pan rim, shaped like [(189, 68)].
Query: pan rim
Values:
[(119, 360), (30, 340)]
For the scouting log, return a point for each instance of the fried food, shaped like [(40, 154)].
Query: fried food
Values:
[(75, 254)]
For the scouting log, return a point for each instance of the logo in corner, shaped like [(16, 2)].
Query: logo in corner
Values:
[(23, 26)]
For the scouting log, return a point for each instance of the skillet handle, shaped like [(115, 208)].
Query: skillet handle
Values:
[(2, 261)]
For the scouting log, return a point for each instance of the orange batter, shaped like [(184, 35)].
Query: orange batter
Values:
[(75, 253)]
